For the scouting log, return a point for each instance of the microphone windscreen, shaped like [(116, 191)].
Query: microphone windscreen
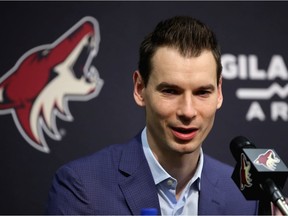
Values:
[(237, 144)]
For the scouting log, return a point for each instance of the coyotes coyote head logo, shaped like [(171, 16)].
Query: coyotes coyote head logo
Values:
[(268, 160), (245, 180), (44, 79)]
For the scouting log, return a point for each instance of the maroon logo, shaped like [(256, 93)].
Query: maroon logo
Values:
[(268, 160), (245, 180), (44, 79)]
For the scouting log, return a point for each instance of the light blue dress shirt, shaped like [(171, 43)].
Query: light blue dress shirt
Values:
[(187, 203)]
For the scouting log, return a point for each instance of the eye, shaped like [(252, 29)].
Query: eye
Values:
[(44, 52), (170, 91), (203, 93)]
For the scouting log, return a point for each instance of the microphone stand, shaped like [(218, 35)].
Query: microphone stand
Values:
[(282, 205), (275, 196)]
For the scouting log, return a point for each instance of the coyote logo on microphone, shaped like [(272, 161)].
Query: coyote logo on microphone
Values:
[(268, 160), (44, 79), (245, 180)]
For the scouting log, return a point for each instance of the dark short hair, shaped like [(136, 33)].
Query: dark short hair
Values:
[(186, 34)]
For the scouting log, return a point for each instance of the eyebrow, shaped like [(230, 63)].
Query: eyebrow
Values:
[(166, 85), (169, 85), (205, 87)]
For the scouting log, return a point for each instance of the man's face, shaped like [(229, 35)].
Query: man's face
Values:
[(181, 99)]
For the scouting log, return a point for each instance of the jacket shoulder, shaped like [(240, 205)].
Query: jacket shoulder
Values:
[(218, 187)]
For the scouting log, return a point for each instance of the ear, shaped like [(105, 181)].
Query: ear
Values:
[(139, 89), (220, 95)]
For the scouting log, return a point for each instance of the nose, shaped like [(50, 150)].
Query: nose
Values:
[(186, 111)]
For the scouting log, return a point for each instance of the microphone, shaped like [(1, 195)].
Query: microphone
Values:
[(259, 173)]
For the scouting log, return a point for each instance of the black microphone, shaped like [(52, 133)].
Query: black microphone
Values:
[(259, 173)]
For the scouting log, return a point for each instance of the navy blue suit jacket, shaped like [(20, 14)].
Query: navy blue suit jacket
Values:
[(117, 181)]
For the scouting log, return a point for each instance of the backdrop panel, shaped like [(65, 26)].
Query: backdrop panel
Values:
[(35, 140)]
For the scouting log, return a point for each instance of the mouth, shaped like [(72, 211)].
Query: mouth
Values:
[(83, 66), (184, 134)]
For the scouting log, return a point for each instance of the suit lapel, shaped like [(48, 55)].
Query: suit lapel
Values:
[(135, 179), (211, 199), (138, 187)]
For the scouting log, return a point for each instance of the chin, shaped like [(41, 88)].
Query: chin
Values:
[(187, 148)]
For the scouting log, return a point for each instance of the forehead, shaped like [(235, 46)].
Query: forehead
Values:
[(168, 63)]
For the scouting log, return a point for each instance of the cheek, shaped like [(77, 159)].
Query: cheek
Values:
[(207, 113), (160, 107), (158, 112), (207, 117)]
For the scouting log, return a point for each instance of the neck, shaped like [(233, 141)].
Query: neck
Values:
[(180, 167)]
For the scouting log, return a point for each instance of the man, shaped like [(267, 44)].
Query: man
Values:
[(179, 84)]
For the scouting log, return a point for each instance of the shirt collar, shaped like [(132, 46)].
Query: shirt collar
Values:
[(158, 172)]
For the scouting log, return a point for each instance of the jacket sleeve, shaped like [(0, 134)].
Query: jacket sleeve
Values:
[(67, 194)]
